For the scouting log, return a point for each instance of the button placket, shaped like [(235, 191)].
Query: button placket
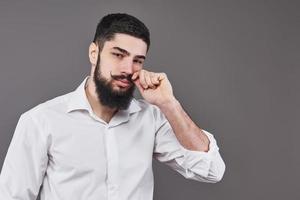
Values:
[(112, 163)]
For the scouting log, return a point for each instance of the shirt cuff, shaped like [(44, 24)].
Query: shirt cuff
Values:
[(198, 162)]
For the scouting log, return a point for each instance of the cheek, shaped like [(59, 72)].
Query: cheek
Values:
[(106, 67), (137, 68)]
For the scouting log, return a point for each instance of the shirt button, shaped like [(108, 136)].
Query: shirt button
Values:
[(113, 187)]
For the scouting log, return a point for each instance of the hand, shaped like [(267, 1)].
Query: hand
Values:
[(154, 87)]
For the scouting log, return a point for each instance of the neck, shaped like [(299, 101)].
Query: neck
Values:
[(103, 112)]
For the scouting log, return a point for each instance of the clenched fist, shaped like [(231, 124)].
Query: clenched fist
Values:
[(154, 87)]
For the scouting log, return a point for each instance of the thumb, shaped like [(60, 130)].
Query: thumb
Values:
[(138, 85)]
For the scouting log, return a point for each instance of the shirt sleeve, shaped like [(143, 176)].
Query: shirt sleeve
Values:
[(25, 162), (197, 165)]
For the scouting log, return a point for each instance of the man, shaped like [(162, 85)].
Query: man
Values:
[(98, 141)]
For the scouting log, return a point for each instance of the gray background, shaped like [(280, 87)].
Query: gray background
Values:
[(234, 66)]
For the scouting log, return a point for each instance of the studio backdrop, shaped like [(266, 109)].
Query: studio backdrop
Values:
[(233, 65)]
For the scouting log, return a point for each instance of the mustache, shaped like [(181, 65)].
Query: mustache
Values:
[(122, 77)]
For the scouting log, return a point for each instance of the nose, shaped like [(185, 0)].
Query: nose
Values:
[(127, 66)]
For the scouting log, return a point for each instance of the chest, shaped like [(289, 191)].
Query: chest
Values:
[(87, 144)]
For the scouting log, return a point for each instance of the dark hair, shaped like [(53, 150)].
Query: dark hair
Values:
[(114, 23)]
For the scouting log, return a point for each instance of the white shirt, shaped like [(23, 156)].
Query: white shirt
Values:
[(63, 146)]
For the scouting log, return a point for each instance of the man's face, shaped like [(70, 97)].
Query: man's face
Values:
[(118, 60)]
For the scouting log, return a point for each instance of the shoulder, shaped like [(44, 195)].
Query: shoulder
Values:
[(55, 105), (151, 109), (146, 106)]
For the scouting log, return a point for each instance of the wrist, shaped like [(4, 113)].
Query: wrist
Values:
[(168, 104)]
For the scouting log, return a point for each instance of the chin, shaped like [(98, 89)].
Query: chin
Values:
[(120, 90)]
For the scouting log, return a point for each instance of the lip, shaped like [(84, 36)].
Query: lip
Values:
[(123, 83)]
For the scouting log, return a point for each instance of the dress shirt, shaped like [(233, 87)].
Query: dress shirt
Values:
[(64, 147)]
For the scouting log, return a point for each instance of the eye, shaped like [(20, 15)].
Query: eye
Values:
[(138, 61), (118, 55)]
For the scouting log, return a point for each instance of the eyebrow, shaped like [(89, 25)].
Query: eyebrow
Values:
[(127, 53)]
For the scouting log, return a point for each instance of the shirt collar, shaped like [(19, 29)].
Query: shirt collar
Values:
[(78, 101)]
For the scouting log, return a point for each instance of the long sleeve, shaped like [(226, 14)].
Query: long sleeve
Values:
[(25, 163), (201, 166)]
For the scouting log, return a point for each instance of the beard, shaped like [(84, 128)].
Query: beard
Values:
[(107, 95)]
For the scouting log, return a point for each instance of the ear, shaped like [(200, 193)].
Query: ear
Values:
[(93, 53)]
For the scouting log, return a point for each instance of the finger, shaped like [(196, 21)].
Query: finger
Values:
[(135, 75), (154, 78), (138, 85), (142, 79), (161, 76), (148, 79)]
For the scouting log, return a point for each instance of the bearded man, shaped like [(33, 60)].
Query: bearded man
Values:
[(97, 142)]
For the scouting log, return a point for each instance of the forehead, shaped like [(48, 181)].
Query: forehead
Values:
[(133, 45)]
